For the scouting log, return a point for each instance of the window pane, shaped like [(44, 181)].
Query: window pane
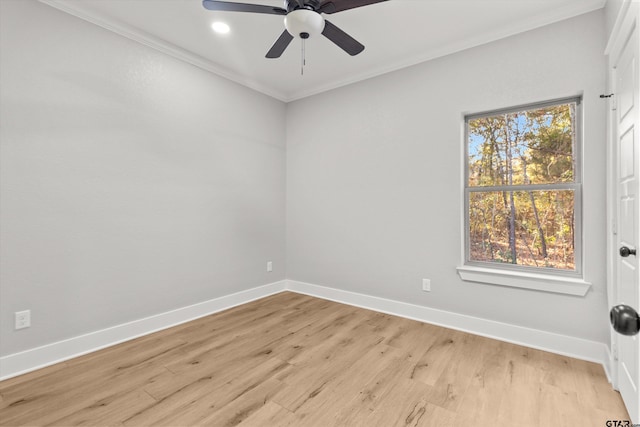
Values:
[(519, 148), (531, 228)]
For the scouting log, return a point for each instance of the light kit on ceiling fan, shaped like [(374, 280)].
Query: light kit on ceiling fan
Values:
[(303, 20), (304, 23)]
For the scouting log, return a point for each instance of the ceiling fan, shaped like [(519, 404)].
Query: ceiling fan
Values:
[(302, 20)]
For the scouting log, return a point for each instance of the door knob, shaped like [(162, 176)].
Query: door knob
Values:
[(625, 320), (625, 252)]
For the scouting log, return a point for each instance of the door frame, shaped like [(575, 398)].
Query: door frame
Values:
[(628, 16)]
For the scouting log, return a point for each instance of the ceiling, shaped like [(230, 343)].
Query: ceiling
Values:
[(396, 33)]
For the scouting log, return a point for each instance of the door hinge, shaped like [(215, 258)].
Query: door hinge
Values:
[(613, 101)]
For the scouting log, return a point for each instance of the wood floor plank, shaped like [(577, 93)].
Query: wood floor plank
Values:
[(594, 392), (200, 404), (322, 404), (294, 360), (483, 397), (390, 389), (201, 395), (457, 375), (435, 358), (271, 414), (107, 411), (244, 405), (412, 412)]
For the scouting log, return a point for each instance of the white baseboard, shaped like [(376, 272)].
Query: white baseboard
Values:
[(578, 348), (40, 357)]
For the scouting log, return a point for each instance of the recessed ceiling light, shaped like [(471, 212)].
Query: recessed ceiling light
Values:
[(220, 27)]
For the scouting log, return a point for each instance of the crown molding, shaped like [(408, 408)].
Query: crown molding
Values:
[(558, 14), (160, 45)]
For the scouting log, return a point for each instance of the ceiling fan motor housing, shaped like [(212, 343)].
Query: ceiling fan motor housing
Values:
[(304, 23), (290, 5)]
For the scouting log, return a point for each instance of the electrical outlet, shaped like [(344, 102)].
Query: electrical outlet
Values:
[(426, 285), (269, 266), (22, 319)]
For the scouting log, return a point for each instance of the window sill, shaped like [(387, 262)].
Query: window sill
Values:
[(517, 279)]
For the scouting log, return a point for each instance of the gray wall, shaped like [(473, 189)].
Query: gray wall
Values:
[(132, 183), (374, 199)]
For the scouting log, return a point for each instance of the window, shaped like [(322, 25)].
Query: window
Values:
[(523, 189)]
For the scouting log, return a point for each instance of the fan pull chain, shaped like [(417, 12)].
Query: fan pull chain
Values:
[(303, 52), (303, 61)]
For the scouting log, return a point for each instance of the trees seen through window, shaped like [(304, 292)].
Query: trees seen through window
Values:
[(523, 186)]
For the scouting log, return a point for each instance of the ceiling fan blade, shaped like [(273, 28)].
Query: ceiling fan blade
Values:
[(342, 39), (280, 45), (333, 6), (242, 7)]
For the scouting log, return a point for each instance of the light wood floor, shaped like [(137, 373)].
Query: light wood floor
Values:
[(294, 360)]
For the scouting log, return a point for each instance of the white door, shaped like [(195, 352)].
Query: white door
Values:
[(623, 60)]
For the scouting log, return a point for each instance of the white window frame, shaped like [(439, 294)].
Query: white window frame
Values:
[(528, 277)]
